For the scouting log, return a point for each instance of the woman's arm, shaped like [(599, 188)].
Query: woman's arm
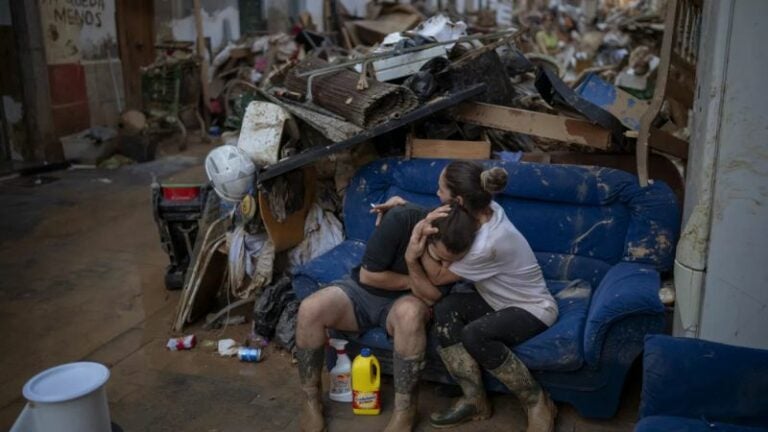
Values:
[(438, 272)]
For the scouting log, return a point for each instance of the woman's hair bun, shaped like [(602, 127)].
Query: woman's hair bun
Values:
[(494, 180)]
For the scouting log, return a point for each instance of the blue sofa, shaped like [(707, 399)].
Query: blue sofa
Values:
[(591, 225), (690, 385)]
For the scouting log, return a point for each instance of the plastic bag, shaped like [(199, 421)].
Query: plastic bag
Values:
[(270, 305), (322, 232), (285, 332)]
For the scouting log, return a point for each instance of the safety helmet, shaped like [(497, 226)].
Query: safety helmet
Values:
[(231, 171)]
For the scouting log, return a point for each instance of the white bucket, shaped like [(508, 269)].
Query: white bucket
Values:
[(67, 398)]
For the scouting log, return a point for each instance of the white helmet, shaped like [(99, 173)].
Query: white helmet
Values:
[(231, 171)]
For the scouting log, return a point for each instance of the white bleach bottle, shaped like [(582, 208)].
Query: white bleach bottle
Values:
[(341, 374)]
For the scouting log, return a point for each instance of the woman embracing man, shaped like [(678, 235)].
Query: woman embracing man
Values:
[(510, 303)]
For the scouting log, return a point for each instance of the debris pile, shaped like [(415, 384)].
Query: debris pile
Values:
[(304, 110)]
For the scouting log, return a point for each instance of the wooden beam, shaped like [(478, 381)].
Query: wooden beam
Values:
[(41, 143), (543, 125), (203, 59)]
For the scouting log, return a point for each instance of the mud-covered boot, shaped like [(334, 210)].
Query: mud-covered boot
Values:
[(406, 374), (539, 408), (473, 405), (310, 366)]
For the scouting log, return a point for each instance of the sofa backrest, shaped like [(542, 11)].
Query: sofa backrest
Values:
[(579, 220)]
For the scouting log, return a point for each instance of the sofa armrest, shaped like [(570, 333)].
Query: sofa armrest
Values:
[(328, 267), (699, 379), (627, 289)]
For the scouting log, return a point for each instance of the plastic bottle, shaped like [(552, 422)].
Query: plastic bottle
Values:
[(366, 382), (341, 374)]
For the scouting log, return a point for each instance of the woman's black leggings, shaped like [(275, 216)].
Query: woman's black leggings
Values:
[(485, 333)]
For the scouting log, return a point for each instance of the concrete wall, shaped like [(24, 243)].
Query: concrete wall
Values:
[(84, 68), (735, 300)]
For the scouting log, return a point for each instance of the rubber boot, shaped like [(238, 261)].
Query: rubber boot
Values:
[(406, 372), (310, 366), (539, 408), (473, 405)]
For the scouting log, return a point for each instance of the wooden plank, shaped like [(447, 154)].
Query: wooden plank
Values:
[(447, 149), (641, 148), (534, 123)]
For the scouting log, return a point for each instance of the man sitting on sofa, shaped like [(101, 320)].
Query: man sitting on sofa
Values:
[(380, 293)]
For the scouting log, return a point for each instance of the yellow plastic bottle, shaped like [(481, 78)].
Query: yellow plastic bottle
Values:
[(366, 381)]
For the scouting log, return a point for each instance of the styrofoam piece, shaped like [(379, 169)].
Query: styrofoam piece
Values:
[(67, 398), (262, 131)]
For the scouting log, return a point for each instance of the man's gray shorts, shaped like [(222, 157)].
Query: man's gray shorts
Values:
[(371, 310)]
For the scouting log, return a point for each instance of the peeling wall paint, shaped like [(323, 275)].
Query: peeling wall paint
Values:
[(14, 117)]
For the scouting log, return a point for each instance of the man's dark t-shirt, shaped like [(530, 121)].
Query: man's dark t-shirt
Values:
[(385, 250)]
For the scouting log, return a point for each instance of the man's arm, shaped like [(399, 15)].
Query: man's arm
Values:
[(438, 272), (420, 284), (386, 280)]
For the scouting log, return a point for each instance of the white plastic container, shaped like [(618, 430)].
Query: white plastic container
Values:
[(341, 374), (67, 398)]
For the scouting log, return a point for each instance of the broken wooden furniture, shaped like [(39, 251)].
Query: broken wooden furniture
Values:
[(696, 385), (584, 223), (676, 79), (316, 153)]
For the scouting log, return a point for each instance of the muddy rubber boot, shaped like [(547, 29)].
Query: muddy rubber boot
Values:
[(406, 373), (474, 404), (310, 366), (539, 408), (404, 416), (541, 416)]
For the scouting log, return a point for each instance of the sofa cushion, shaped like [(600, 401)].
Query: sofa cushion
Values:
[(684, 424), (557, 349), (328, 267)]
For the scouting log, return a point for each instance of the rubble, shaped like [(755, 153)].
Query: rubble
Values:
[(520, 85)]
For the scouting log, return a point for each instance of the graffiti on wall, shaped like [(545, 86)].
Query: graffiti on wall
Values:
[(78, 30)]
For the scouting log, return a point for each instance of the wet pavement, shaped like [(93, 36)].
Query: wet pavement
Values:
[(81, 278)]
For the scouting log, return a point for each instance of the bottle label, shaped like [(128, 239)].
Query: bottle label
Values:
[(366, 400), (341, 384)]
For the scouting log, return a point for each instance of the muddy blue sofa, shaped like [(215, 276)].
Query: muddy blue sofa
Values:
[(601, 241), (691, 385)]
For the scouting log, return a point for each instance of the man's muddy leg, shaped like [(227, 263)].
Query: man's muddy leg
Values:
[(327, 308), (407, 323)]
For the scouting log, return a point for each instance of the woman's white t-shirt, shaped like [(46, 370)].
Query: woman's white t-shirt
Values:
[(504, 269)]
